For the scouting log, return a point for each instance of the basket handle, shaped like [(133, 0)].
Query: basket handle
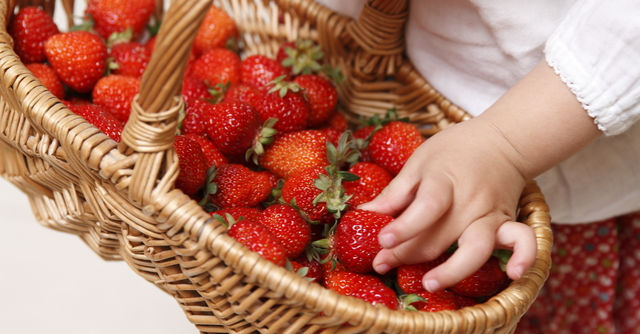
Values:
[(150, 131)]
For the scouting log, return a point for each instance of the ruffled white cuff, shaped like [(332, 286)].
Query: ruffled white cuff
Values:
[(596, 52)]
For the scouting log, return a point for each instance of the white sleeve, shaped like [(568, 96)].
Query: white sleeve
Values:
[(596, 52)]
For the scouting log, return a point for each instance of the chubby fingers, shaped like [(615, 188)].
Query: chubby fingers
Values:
[(522, 240), (432, 200), (474, 249)]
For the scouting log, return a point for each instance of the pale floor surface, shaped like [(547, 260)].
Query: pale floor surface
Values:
[(52, 282)]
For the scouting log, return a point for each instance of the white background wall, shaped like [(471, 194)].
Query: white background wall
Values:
[(51, 282)]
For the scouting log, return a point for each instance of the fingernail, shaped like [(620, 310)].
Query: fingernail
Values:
[(382, 268), (518, 271), (387, 240), (432, 285)]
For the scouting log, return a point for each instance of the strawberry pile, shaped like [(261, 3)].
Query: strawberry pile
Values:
[(261, 145)]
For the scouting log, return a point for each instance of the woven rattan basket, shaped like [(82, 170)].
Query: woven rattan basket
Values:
[(120, 199)]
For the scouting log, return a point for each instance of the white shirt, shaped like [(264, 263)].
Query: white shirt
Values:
[(473, 51)]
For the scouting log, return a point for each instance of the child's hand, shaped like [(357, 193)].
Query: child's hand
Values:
[(459, 185), (463, 184)]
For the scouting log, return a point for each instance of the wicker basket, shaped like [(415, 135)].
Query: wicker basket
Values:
[(120, 199)]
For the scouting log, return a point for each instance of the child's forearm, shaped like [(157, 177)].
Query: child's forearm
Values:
[(542, 121)]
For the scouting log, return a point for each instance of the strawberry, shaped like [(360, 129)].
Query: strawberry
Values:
[(215, 30), (376, 294), (300, 57), (259, 70), (129, 59), (344, 281), (239, 213), (333, 135), (315, 270), (289, 227), (464, 301), (373, 179), (113, 16), (295, 151), (194, 89), (232, 126), (322, 97), (194, 118), (115, 93), (193, 168), (78, 57), (30, 28), (362, 136), (356, 239), (284, 103), (48, 77), (435, 301), (409, 276), (212, 156), (259, 239), (300, 190), (484, 282), (100, 118), (391, 146), (217, 66), (245, 93), (339, 122), (238, 186)]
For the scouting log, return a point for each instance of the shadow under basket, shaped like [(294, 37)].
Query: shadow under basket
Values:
[(120, 198)]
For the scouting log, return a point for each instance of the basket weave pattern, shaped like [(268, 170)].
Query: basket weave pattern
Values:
[(121, 201)]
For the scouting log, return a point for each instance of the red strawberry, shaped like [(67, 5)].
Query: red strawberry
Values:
[(245, 93), (48, 77), (356, 239), (193, 168), (232, 126), (300, 189), (333, 135), (339, 122), (238, 213), (129, 59), (293, 232), (259, 70), (212, 155), (78, 57), (315, 268), (115, 93), (409, 276), (331, 267), (238, 186), (217, 66), (344, 281), (322, 97), (295, 151), (376, 294), (194, 89), (463, 301), (111, 16), (30, 28), (290, 108), (215, 30), (391, 146), (362, 137), (194, 119), (259, 239), (436, 301), (100, 118), (300, 57), (484, 282), (373, 179), (151, 44)]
